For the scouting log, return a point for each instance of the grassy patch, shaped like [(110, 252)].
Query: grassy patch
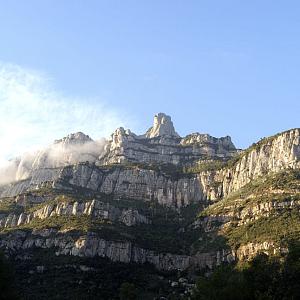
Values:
[(8, 205), (279, 228)]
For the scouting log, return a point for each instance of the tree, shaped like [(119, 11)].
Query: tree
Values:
[(7, 291), (127, 291), (224, 283), (265, 277)]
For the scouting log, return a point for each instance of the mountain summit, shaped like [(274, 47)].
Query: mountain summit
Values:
[(162, 125)]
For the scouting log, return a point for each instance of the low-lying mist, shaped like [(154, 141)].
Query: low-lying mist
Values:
[(61, 153)]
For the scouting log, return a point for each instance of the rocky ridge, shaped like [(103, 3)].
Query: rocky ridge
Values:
[(161, 144), (90, 246), (94, 208), (274, 154), (154, 168)]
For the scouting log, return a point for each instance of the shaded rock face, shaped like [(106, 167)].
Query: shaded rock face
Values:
[(118, 251), (94, 208), (23, 200)]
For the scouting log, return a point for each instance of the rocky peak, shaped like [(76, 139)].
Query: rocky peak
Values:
[(162, 125), (71, 149), (199, 138), (74, 139), (119, 137), (162, 144)]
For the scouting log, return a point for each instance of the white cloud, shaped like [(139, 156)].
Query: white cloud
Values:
[(33, 113)]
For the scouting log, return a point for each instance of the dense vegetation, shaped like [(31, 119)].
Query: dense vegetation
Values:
[(168, 231), (277, 228), (68, 277), (278, 225), (7, 290), (262, 278)]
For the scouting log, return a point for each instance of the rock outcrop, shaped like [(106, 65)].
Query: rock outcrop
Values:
[(162, 126), (72, 149), (150, 169), (117, 251), (270, 155), (162, 145), (94, 208), (274, 154), (132, 183)]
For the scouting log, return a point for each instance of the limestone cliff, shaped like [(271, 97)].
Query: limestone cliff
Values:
[(162, 126), (145, 184), (161, 144), (270, 155), (94, 208), (90, 246)]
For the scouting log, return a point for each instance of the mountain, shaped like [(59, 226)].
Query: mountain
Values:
[(153, 209)]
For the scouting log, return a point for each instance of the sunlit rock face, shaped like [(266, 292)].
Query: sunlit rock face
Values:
[(162, 144), (162, 126), (130, 183), (72, 139), (272, 155)]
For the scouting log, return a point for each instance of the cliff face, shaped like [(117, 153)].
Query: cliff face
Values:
[(145, 185), (161, 144), (134, 183), (94, 208), (72, 149), (89, 245), (270, 155), (274, 154)]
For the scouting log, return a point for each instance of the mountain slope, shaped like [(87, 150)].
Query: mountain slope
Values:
[(155, 201)]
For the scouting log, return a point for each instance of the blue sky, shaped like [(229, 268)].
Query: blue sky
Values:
[(218, 67)]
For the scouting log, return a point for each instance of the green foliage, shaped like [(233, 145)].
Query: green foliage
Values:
[(287, 179), (222, 284), (278, 228), (169, 230), (127, 291), (209, 242), (64, 278), (260, 190), (7, 291), (8, 205), (262, 278), (214, 165), (203, 166), (82, 224)]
